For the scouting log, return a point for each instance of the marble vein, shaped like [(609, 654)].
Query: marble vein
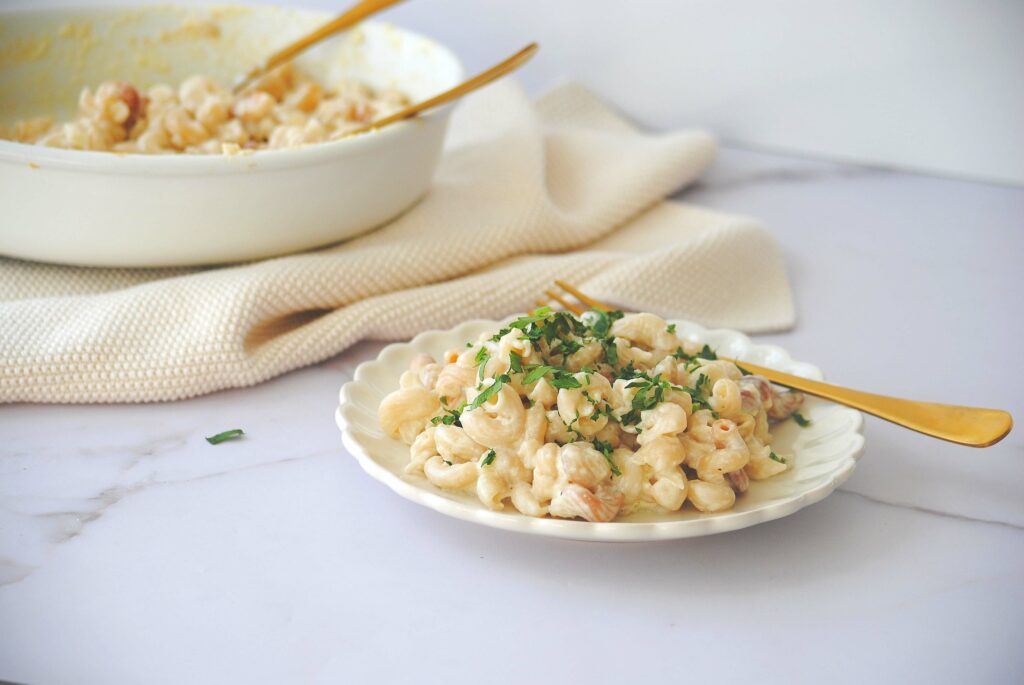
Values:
[(57, 526), (787, 174), (930, 510)]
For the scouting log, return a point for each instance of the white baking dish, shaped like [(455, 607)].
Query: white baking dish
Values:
[(107, 209)]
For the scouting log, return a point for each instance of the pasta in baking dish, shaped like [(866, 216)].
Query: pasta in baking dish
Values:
[(593, 417), (285, 108)]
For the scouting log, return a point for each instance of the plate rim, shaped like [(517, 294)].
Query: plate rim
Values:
[(614, 531)]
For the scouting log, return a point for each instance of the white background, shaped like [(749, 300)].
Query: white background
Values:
[(932, 85)]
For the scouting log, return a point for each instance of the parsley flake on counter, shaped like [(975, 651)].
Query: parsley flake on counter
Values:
[(226, 435)]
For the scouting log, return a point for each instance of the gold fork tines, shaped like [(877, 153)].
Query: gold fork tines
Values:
[(971, 426), (570, 305), (589, 301), (575, 309)]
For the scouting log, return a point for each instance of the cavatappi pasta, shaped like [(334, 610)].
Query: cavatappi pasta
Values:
[(590, 417), (283, 109)]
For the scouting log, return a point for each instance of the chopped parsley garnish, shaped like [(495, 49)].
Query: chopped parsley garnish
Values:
[(483, 355), (566, 347), (742, 370), (559, 377), (629, 371), (775, 457), (650, 393), (707, 353), (704, 385), (536, 373), (600, 322), (451, 417), (611, 352), (557, 334), (601, 409), (564, 380), (226, 435), (572, 429), (489, 392), (605, 448), (535, 316), (488, 458), (800, 420), (563, 326)]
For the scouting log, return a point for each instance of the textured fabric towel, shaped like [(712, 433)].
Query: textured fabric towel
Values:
[(526, 192)]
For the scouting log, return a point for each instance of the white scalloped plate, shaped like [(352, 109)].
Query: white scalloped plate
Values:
[(825, 452)]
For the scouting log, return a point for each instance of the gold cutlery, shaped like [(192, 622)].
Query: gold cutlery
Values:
[(468, 86), (347, 19), (971, 426), (352, 17)]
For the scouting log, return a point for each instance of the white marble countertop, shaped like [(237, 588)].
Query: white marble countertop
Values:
[(132, 551)]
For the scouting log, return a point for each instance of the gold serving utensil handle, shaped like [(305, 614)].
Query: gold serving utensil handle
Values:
[(971, 426), (349, 18), (468, 86)]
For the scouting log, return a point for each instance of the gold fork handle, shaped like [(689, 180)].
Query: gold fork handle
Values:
[(970, 426), (350, 17)]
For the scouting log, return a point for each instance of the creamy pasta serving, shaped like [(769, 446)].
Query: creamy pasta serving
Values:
[(285, 108), (591, 417)]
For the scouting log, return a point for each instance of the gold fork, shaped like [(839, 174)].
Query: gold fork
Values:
[(970, 426), (347, 19)]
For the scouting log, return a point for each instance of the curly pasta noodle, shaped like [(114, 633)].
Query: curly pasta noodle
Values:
[(592, 417), (283, 109)]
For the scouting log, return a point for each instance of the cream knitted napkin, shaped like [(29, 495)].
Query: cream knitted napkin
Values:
[(525, 193)]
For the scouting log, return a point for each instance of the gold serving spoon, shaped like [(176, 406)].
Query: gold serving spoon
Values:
[(349, 18), (353, 16), (482, 79), (971, 426)]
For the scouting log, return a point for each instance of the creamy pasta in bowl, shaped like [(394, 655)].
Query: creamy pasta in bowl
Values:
[(606, 427), (286, 108), (121, 144)]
